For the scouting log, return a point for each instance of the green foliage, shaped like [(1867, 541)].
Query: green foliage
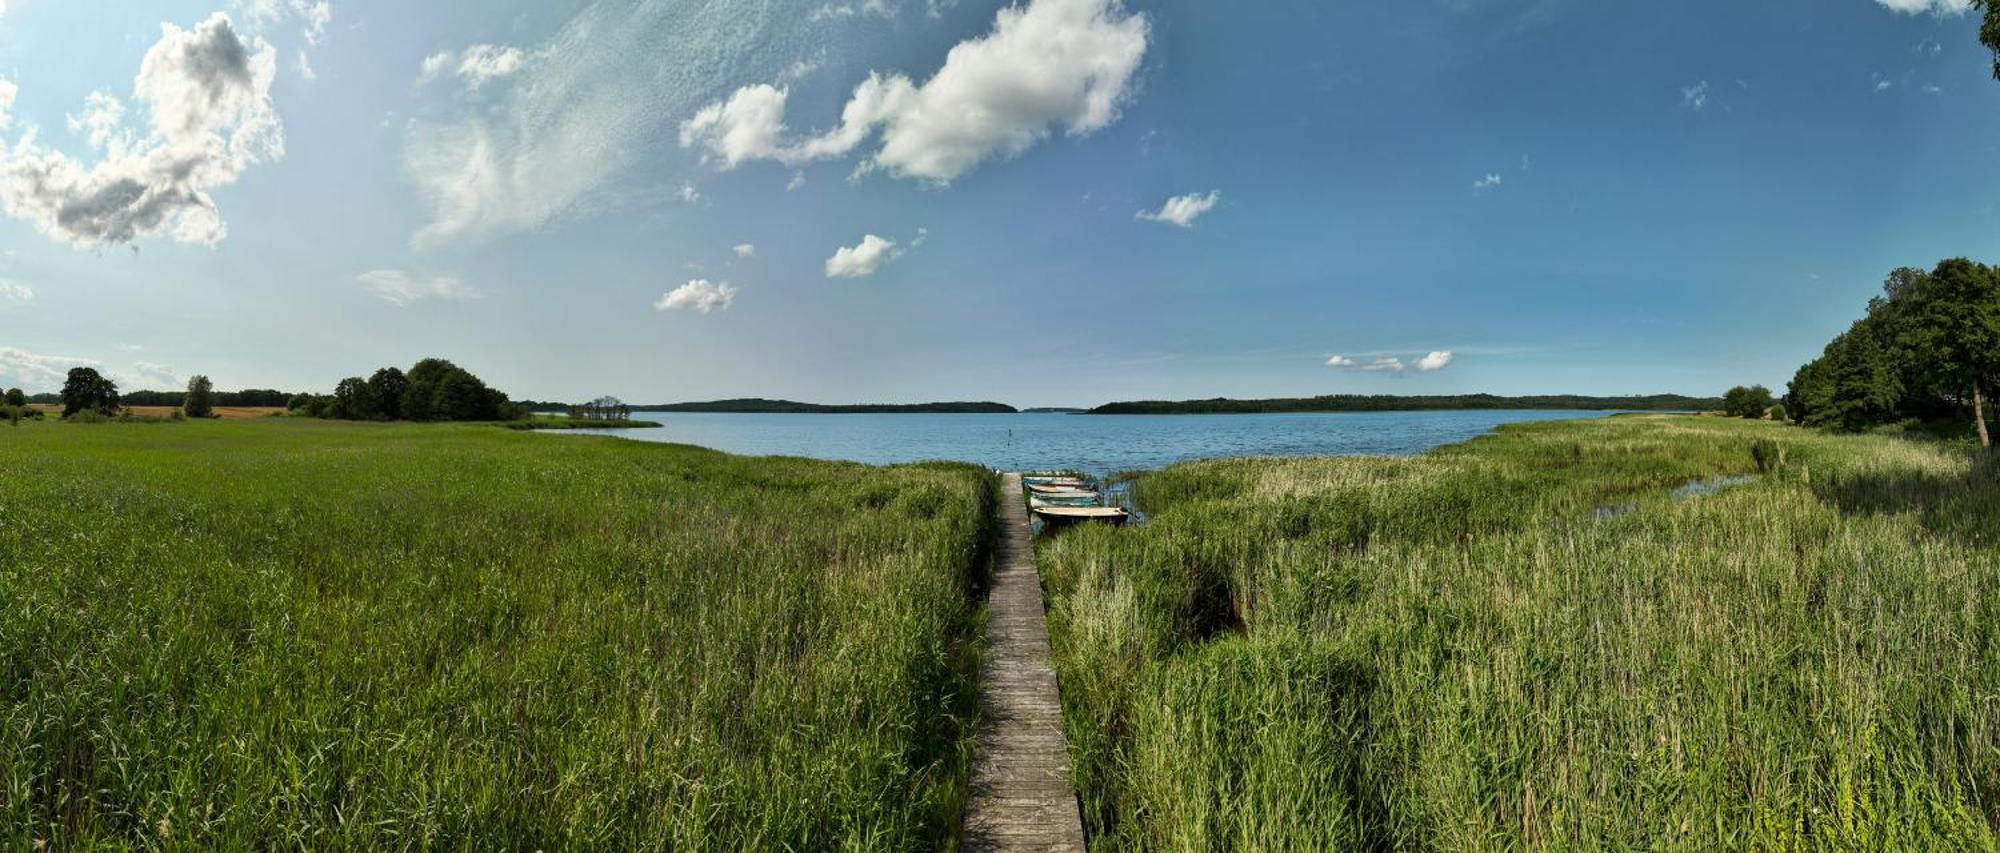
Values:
[(1777, 412), (200, 401), (1989, 31), (1753, 402), (86, 391), (433, 390), (1526, 642), (386, 389), (1927, 347), (297, 634), (15, 398), (1769, 455)]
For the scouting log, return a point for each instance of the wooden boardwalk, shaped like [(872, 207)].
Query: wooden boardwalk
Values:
[(1021, 795)]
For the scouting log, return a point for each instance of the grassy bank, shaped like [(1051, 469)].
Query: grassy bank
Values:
[(548, 422), (286, 633), (1526, 642)]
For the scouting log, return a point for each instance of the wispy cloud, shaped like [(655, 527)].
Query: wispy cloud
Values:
[(1489, 181), (15, 292), (1695, 97), (400, 288), (1182, 210), (36, 370), (745, 250), (1940, 7)]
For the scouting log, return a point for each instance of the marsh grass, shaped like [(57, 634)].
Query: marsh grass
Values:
[(286, 633), (1456, 652)]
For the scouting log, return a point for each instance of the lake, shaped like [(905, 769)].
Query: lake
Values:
[(1095, 444)]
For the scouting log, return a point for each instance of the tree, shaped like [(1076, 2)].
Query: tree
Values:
[(1989, 31), (15, 398), (85, 390), (1751, 402), (387, 387), (1951, 327), (352, 401), (200, 400)]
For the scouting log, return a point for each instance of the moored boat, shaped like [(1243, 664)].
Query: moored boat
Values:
[(1060, 515)]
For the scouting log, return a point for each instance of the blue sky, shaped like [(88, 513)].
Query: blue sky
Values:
[(1055, 202)]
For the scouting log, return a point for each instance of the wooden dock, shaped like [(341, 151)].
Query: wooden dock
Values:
[(1021, 794)]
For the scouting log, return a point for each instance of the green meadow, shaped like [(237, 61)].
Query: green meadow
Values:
[(1528, 641), (284, 633)]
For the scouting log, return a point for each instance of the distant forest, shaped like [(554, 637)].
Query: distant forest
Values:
[(252, 397), (1390, 403), (787, 407)]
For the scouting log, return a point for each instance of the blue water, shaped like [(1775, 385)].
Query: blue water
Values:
[(1095, 444)]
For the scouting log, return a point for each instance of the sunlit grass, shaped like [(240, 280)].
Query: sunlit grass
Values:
[(1524, 642), (287, 633)]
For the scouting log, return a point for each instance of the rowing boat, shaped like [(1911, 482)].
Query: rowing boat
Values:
[(1090, 499), (1052, 488), (1075, 514)]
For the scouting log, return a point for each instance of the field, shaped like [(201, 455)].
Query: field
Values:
[(1529, 642), (289, 633), (232, 413)]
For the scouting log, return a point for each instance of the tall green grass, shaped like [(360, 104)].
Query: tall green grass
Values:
[(299, 634), (1524, 642)]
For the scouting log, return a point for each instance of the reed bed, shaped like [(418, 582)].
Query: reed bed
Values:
[(1527, 642), (300, 634)]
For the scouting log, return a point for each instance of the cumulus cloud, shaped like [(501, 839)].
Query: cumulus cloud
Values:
[(15, 292), (24, 368), (1433, 362), (207, 92), (475, 66), (1488, 182), (745, 250), (699, 295), (1941, 7), (863, 259), (1183, 210), (1050, 64), (400, 288)]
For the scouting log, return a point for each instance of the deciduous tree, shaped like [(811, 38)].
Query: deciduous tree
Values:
[(200, 400), (86, 390)]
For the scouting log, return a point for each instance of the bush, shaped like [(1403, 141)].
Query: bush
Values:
[(1751, 402), (1778, 413), (88, 416)]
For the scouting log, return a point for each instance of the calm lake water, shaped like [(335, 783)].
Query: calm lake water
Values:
[(1096, 444)]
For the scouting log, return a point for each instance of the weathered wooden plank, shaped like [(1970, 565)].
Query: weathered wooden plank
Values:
[(1021, 795)]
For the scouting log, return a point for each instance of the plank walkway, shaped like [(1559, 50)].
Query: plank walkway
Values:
[(1021, 795)]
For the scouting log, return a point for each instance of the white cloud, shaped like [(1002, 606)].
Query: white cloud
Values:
[(15, 292), (400, 288), (304, 64), (1183, 210), (1941, 7), (698, 295), (1883, 85), (21, 367), (1696, 96), (476, 65), (1429, 363), (1048, 64), (745, 250), (689, 194), (1433, 362), (798, 180), (863, 259), (566, 136), (1488, 182), (8, 92), (831, 11), (208, 97), (750, 125)]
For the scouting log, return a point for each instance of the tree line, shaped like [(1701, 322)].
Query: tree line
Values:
[(1396, 403), (1927, 349), (433, 390)]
